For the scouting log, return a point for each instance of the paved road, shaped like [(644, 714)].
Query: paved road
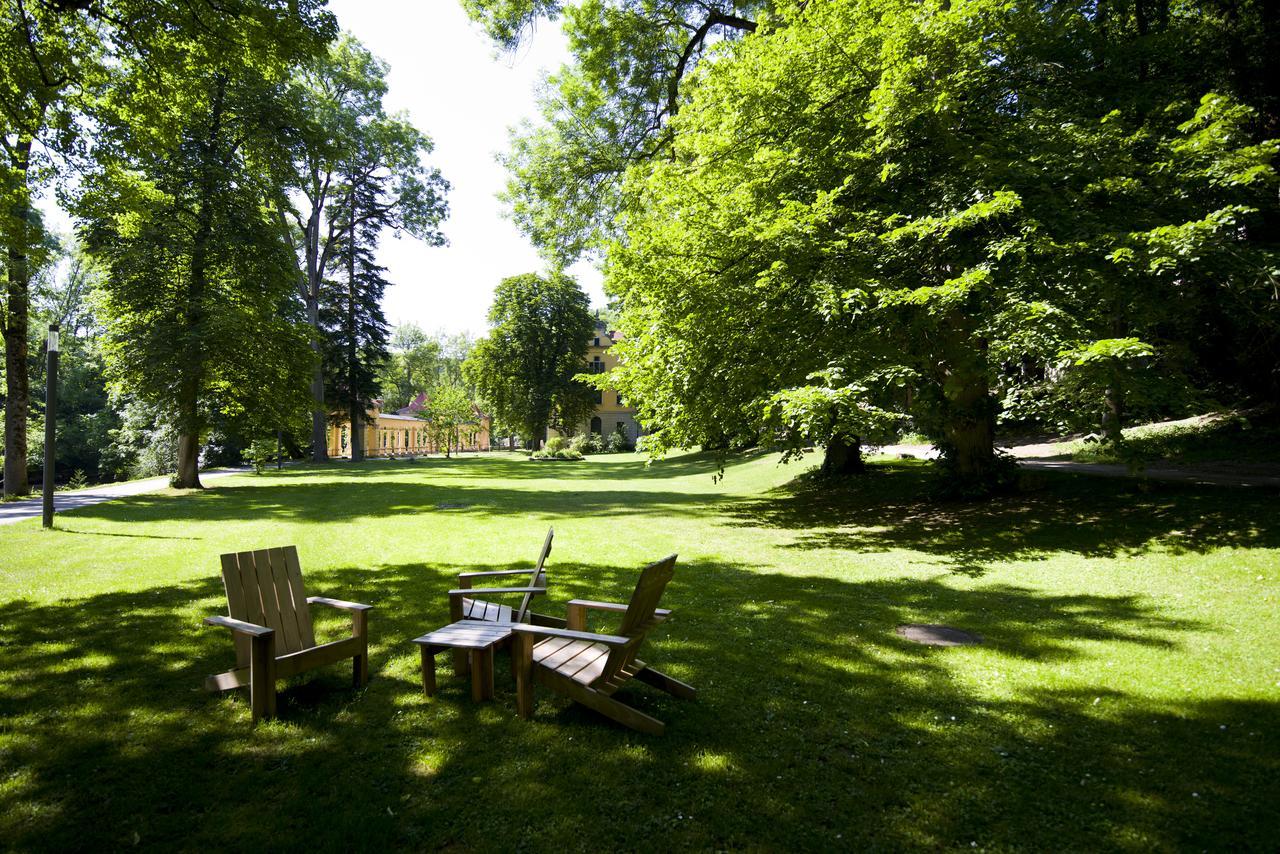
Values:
[(16, 511)]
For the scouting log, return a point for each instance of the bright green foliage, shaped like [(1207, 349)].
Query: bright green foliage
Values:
[(606, 111), (557, 448), (48, 59), (57, 59), (448, 408), (196, 296), (261, 453), (419, 361), (507, 20), (902, 205), (525, 369), (355, 172), (828, 409), (61, 293)]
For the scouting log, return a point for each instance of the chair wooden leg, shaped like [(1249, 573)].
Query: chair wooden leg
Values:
[(522, 663), (674, 687), (360, 663), (477, 674), (461, 662), (428, 670), (486, 673), (618, 711), (262, 677)]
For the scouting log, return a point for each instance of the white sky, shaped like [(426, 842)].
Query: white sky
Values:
[(445, 73)]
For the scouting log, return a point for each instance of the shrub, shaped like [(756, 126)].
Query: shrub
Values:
[(562, 454), (643, 443), (595, 444), (261, 454), (580, 443), (616, 443), (555, 445)]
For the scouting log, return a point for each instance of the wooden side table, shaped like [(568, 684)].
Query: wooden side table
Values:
[(477, 639)]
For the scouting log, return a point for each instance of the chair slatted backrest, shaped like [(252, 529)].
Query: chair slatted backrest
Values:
[(538, 579), (640, 616), (264, 587)]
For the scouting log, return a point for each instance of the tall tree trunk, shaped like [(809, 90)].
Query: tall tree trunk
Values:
[(316, 260), (971, 427), (17, 402), (1113, 414), (188, 474), (190, 424), (969, 431), (357, 434), (843, 457), (319, 414), (352, 391)]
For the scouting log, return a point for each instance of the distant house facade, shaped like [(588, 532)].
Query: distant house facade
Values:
[(612, 414), (403, 433)]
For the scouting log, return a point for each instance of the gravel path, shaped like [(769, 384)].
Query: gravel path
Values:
[(30, 508)]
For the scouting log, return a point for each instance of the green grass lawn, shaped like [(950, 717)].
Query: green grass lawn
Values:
[(1127, 695)]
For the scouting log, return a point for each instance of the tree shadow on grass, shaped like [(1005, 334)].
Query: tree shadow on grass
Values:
[(1095, 517), (815, 727), (509, 467), (345, 500)]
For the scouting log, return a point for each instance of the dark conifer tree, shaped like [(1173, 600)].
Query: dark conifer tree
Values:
[(351, 315)]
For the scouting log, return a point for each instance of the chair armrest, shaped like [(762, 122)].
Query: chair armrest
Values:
[(239, 626), (619, 607), (338, 603), (494, 591), (599, 606), (492, 573), (612, 640)]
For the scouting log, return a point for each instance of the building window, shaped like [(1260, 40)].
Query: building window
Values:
[(596, 426), (596, 366), (619, 395), (599, 397), (596, 343)]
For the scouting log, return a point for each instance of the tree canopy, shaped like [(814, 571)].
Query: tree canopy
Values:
[(348, 145), (866, 214), (197, 281), (232, 167), (537, 344)]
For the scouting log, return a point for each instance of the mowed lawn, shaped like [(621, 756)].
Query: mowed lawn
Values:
[(1127, 695)]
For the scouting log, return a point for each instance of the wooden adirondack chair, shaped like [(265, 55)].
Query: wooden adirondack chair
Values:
[(270, 619), (588, 668), (462, 605)]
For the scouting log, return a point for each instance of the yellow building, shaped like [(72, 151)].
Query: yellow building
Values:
[(402, 433), (612, 413)]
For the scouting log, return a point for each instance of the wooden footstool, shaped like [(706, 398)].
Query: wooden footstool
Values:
[(473, 638)]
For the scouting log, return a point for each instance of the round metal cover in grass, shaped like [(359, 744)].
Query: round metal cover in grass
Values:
[(938, 635)]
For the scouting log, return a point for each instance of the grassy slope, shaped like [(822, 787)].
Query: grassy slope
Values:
[(1128, 694), (1234, 439)]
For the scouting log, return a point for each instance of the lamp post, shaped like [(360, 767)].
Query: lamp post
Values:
[(50, 422)]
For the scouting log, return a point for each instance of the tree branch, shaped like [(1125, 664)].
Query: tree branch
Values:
[(716, 18)]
